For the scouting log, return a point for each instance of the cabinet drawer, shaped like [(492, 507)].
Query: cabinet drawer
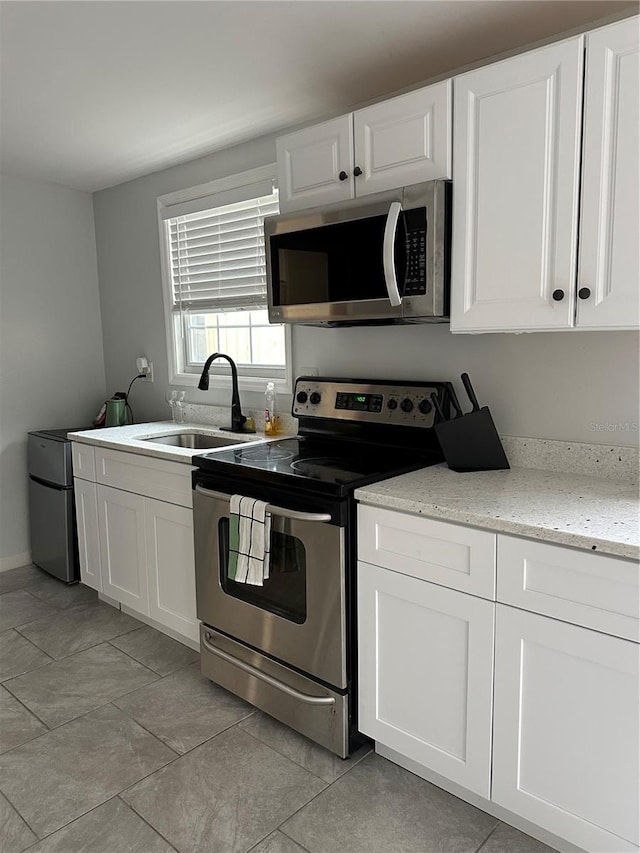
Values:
[(84, 461), (587, 589), (447, 554), (155, 478)]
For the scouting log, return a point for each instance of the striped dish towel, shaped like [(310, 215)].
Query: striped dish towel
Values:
[(249, 538)]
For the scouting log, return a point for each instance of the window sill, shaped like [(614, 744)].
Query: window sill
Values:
[(245, 383)]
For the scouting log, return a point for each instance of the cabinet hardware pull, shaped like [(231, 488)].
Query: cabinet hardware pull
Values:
[(558, 295), (343, 176), (357, 171), (584, 292)]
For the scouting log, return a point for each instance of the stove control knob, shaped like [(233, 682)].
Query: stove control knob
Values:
[(315, 398), (301, 396), (392, 404), (406, 405), (425, 407)]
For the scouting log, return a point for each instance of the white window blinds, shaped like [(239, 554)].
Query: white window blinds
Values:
[(217, 256)]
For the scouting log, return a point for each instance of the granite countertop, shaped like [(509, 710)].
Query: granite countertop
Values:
[(131, 439), (567, 509)]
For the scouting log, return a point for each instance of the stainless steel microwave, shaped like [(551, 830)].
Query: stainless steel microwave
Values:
[(379, 260)]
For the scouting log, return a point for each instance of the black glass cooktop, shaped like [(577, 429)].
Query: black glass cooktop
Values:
[(326, 465)]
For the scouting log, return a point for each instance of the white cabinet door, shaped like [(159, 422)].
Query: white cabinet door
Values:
[(609, 259), (566, 730), (515, 191), (122, 547), (426, 673), (88, 541), (311, 161), (405, 140), (171, 567)]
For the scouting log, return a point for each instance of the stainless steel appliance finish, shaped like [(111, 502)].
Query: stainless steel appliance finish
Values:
[(289, 646), (299, 702), (51, 506), (382, 259), (315, 645)]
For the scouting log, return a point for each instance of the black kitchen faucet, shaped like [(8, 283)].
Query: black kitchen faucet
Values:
[(238, 420)]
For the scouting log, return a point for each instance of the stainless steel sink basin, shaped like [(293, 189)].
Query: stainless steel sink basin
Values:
[(194, 440)]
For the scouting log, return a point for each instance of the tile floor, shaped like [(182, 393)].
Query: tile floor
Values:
[(112, 742)]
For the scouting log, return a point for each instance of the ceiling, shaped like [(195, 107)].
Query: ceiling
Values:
[(97, 92)]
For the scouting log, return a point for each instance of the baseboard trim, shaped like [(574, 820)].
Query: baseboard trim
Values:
[(15, 562)]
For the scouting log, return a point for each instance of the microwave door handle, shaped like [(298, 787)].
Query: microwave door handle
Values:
[(390, 230), (292, 514)]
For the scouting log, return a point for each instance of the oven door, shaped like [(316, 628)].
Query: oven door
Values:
[(298, 616)]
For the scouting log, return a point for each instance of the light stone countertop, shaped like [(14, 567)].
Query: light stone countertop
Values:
[(568, 509), (130, 439)]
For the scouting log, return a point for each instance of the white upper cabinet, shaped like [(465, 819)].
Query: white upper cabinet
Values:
[(515, 191), (315, 164), (404, 141), (609, 273), (519, 143), (401, 141)]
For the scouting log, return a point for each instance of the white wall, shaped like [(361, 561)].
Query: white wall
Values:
[(51, 354), (552, 385)]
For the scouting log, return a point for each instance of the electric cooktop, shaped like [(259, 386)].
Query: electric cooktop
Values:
[(325, 465)]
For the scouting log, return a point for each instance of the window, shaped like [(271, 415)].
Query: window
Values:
[(215, 280)]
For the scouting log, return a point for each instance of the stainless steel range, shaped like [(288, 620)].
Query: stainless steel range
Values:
[(288, 647)]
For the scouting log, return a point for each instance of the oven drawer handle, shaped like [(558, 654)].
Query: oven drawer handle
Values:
[(274, 510), (251, 670)]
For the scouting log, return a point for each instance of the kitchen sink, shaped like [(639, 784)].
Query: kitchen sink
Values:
[(194, 440)]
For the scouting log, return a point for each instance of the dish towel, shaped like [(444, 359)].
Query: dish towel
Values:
[(249, 538)]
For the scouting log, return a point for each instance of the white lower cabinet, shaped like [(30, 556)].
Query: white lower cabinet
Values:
[(87, 524), (147, 559), (426, 673), (566, 747), (170, 564), (121, 531), (134, 549), (541, 727)]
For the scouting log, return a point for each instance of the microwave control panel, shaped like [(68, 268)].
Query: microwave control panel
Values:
[(415, 279), (383, 403)]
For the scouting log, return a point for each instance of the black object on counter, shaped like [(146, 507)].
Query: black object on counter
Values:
[(471, 442)]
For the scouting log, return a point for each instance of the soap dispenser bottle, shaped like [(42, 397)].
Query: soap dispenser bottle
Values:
[(270, 420)]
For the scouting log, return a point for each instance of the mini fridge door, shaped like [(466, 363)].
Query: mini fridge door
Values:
[(53, 540)]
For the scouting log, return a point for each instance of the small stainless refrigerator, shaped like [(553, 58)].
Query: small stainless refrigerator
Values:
[(54, 543)]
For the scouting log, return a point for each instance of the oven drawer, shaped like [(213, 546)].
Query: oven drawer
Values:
[(312, 709), (447, 554)]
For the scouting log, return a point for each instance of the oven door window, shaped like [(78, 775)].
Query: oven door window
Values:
[(284, 592)]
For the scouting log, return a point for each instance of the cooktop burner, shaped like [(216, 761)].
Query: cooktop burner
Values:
[(270, 453), (325, 466)]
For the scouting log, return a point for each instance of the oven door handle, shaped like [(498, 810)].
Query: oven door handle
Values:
[(268, 679), (274, 510)]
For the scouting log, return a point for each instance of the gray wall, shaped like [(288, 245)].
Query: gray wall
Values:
[(551, 385), (51, 359)]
